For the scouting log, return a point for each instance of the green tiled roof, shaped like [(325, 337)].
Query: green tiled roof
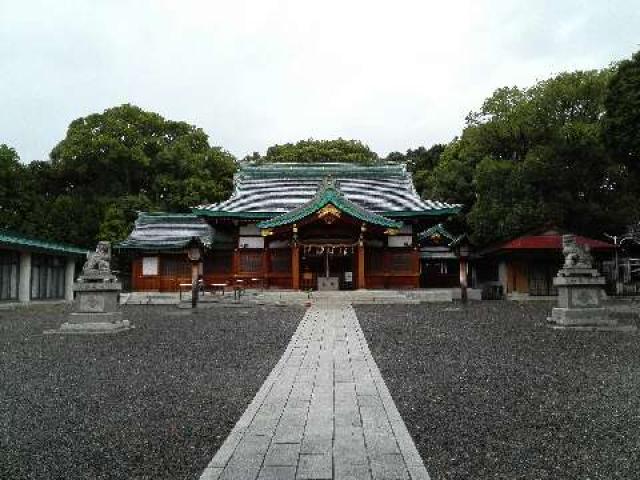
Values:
[(22, 242), (329, 195), (320, 170), (169, 231), (267, 190), (436, 230)]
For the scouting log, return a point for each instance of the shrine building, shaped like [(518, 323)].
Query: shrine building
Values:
[(294, 226)]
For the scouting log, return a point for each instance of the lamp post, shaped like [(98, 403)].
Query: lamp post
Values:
[(194, 252), (462, 251)]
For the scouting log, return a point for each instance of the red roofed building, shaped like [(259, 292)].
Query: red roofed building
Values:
[(525, 266)]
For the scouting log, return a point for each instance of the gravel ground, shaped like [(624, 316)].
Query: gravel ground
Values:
[(489, 391), (152, 403)]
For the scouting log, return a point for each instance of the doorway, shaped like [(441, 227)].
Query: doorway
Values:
[(327, 262)]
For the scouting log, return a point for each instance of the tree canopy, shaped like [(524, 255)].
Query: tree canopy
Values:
[(565, 150), (114, 163), (420, 161), (536, 155), (318, 151), (622, 119)]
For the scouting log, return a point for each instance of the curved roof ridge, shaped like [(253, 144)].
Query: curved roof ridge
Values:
[(329, 194)]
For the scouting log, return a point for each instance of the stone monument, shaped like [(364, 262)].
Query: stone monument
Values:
[(580, 290), (95, 308)]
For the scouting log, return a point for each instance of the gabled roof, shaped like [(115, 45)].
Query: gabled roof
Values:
[(437, 230), (22, 242), (167, 231), (263, 191), (549, 239), (329, 195)]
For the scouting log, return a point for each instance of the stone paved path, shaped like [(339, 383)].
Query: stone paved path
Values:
[(324, 412)]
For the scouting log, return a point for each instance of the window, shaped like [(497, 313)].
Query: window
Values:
[(9, 268), (149, 266), (175, 266), (280, 260), (47, 277), (217, 262), (250, 262)]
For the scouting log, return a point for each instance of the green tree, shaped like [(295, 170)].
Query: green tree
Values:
[(318, 151), (622, 119), (536, 155), (420, 162), (12, 188), (113, 163)]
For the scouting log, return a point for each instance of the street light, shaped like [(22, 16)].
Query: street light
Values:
[(194, 252), (462, 249)]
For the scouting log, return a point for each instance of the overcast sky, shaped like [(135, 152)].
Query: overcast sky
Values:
[(395, 74)]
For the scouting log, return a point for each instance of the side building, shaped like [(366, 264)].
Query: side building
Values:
[(525, 266), (33, 269), (299, 226)]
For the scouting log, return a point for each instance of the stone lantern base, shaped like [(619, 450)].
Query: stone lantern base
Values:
[(95, 310), (580, 294)]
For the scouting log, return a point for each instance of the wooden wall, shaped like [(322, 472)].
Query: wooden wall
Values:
[(396, 268), (384, 268)]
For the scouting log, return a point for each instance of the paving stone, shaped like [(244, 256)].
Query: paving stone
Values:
[(282, 454), (324, 412), (352, 472), (388, 467), (380, 444), (418, 472), (349, 447), (212, 473), (316, 467), (286, 433), (317, 443), (277, 473)]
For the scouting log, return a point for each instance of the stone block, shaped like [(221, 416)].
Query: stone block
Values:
[(316, 467), (277, 473), (581, 317), (282, 454)]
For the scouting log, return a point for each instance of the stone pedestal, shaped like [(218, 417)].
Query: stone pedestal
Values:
[(95, 307), (580, 294)]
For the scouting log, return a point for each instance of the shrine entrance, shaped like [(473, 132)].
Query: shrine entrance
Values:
[(327, 267), (327, 237)]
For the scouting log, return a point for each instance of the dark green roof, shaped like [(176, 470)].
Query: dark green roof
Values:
[(22, 242), (157, 231), (264, 191), (321, 170), (436, 230), (329, 195)]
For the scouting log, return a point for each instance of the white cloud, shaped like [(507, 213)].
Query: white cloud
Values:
[(253, 73)]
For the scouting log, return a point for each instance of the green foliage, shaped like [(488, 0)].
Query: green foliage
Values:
[(109, 166), (622, 120), (420, 161), (536, 155), (12, 176), (318, 151)]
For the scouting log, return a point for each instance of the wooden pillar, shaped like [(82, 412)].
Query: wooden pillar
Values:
[(69, 277), (265, 265), (24, 286), (235, 266), (361, 281), (463, 279), (295, 267)]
